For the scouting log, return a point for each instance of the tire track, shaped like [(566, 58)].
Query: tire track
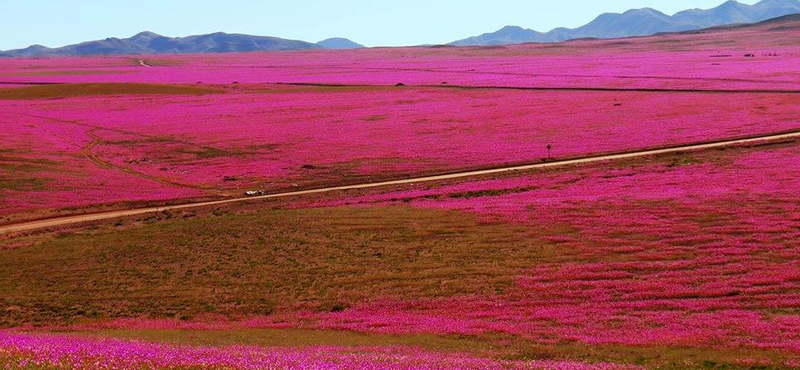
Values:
[(88, 152)]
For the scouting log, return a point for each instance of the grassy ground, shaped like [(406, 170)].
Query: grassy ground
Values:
[(258, 263), (279, 260)]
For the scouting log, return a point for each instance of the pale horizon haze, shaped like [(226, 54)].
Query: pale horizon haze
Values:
[(55, 23)]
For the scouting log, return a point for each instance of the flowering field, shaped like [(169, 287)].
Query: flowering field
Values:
[(698, 249), (113, 132), (187, 146), (95, 150), (31, 351), (696, 253), (682, 260)]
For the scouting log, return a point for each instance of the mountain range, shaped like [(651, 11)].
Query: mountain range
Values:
[(636, 22), (152, 43), (643, 22)]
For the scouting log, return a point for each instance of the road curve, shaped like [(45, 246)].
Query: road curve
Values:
[(68, 220)]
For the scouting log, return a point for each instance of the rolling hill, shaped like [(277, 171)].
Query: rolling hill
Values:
[(338, 43)]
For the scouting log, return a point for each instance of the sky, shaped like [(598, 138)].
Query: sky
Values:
[(56, 23)]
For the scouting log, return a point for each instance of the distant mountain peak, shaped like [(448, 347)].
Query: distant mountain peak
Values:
[(644, 11), (731, 4), (339, 43), (146, 34), (512, 28)]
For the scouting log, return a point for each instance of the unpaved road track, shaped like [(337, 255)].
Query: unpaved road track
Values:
[(69, 220), (555, 88)]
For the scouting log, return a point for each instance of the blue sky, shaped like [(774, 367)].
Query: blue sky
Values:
[(371, 22)]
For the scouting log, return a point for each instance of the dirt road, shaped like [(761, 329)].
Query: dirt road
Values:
[(68, 220)]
